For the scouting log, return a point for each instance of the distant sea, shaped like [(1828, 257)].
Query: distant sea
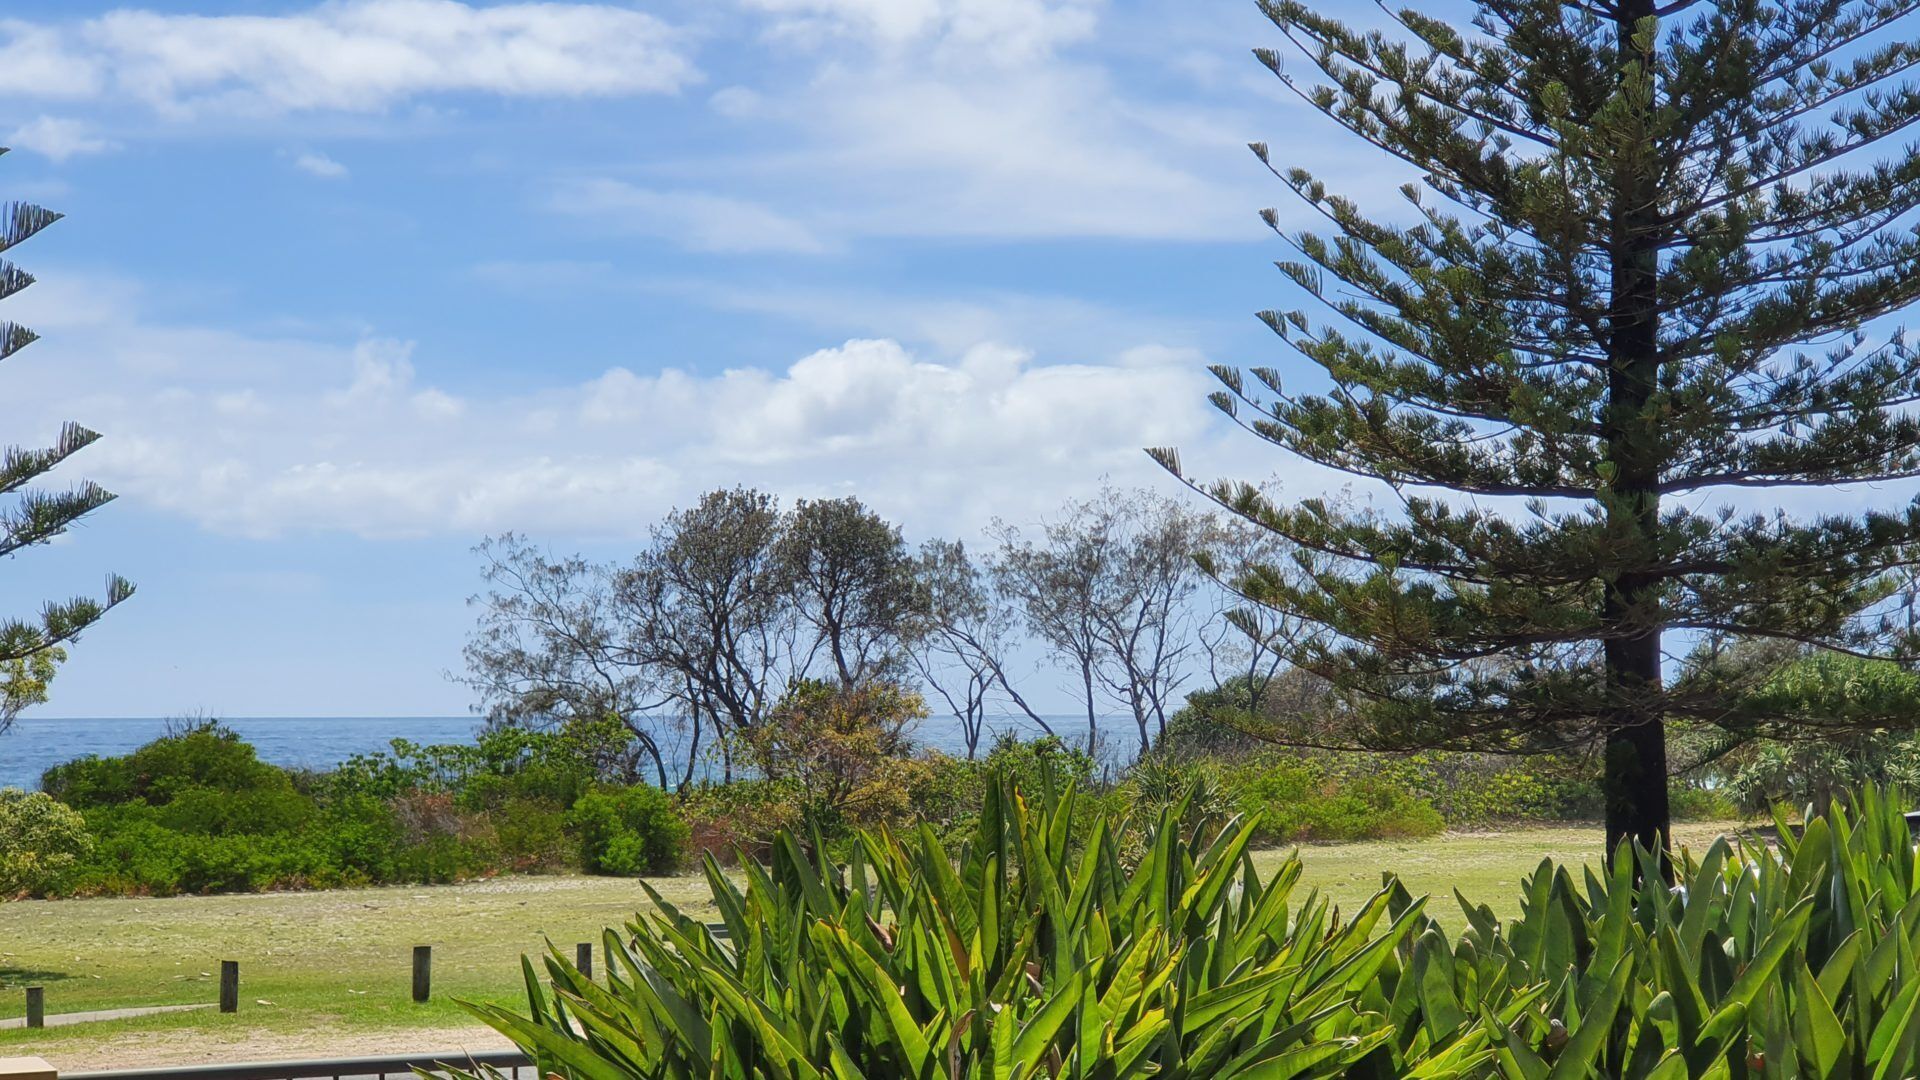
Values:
[(34, 744)]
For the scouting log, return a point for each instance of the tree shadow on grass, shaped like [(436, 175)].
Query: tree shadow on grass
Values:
[(16, 978)]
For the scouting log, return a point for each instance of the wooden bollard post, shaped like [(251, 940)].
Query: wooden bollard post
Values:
[(229, 986), (36, 1006), (583, 958), (422, 972)]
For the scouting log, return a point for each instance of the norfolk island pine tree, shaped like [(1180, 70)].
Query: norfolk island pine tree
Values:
[(35, 515), (1646, 266)]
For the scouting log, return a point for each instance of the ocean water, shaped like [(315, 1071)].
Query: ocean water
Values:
[(35, 744)]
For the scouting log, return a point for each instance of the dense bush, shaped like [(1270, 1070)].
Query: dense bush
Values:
[(844, 751), (1023, 954), (725, 820), (205, 757), (197, 811), (1301, 799), (40, 842), (503, 764), (1319, 795), (628, 832), (1238, 715), (1819, 770)]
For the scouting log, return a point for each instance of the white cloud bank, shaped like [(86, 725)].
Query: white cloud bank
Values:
[(986, 119), (1004, 28), (345, 55), (697, 221), (261, 437), (980, 119), (59, 138)]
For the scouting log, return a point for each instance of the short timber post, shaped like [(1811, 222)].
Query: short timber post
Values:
[(36, 1006), (583, 958), (229, 986), (422, 972)]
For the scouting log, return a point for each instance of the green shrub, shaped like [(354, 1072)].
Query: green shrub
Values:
[(1819, 770), (743, 816), (358, 840), (531, 834), (503, 764), (1691, 802), (135, 854), (1315, 799), (627, 832), (1027, 762), (223, 813), (205, 757), (40, 842)]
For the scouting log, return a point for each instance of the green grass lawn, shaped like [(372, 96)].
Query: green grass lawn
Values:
[(328, 973), (1485, 867)]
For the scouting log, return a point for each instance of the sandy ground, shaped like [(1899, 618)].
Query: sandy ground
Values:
[(156, 1049)]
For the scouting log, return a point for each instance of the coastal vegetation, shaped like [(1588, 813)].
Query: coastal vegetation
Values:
[(1039, 944), (1641, 272), (197, 811)]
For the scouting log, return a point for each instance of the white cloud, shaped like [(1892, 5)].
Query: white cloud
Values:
[(1003, 29), (43, 62), (314, 163), (735, 101), (59, 138), (951, 320), (1046, 151), (260, 437), (383, 376), (991, 119), (695, 220), (350, 55)]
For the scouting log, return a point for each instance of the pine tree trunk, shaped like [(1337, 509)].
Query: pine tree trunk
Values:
[(1635, 778)]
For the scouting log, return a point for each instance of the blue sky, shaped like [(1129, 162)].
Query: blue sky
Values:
[(350, 285)]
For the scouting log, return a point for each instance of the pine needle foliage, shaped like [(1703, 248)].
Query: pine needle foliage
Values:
[(1642, 287), (33, 515)]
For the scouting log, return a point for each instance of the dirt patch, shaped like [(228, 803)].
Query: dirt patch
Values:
[(155, 1049)]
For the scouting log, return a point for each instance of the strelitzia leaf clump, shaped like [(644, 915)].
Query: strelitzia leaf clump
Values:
[(1787, 959), (1038, 949), (1034, 950)]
